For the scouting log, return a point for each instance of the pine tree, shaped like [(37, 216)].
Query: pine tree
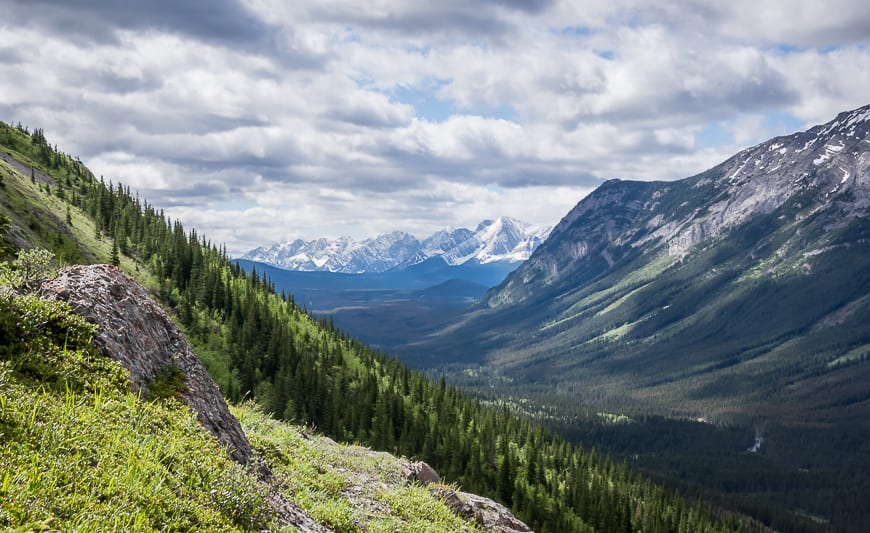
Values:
[(506, 476), (116, 258)]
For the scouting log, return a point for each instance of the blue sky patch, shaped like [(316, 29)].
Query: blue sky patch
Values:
[(430, 107), (781, 123), (713, 135), (425, 103)]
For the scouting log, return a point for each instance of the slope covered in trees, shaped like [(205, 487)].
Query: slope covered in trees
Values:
[(261, 344)]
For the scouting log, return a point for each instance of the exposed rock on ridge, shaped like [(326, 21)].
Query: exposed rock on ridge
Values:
[(136, 331), (490, 515), (822, 173)]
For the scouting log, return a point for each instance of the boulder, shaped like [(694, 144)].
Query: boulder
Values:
[(135, 330), (421, 472)]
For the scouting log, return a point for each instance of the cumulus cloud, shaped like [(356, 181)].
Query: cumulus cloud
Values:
[(263, 120)]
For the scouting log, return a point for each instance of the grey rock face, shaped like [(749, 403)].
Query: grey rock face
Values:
[(136, 331), (290, 514), (830, 162)]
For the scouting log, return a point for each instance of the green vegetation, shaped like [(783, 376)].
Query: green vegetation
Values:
[(347, 488), (39, 183), (29, 266), (78, 451), (255, 342), (168, 383)]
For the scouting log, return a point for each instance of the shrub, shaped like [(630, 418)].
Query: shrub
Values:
[(29, 266)]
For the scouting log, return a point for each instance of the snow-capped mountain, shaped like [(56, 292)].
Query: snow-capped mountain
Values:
[(343, 254), (502, 240)]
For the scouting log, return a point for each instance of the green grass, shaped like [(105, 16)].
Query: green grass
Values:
[(39, 219), (346, 487), (79, 451)]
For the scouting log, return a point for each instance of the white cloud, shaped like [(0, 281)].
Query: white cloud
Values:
[(268, 120)]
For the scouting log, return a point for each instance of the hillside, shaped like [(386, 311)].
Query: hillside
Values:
[(258, 345), (737, 295)]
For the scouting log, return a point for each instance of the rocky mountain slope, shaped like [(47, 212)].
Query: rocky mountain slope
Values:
[(741, 287), (821, 173), (504, 239)]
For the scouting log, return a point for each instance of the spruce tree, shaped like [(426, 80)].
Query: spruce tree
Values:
[(116, 258)]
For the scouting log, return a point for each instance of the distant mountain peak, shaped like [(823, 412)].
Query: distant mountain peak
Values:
[(502, 239)]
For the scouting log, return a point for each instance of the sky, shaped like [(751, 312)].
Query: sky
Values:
[(260, 121)]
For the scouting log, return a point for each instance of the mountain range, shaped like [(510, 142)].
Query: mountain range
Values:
[(90, 443), (503, 240), (713, 326)]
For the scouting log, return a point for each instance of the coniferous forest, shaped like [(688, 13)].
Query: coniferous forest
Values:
[(262, 345)]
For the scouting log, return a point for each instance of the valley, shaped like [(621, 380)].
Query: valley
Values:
[(435, 267), (721, 318), (261, 350)]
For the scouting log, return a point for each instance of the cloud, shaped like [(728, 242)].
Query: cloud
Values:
[(219, 21), (262, 120)]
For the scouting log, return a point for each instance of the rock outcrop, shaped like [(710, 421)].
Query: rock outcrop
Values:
[(489, 515), (134, 330), (137, 332), (421, 472)]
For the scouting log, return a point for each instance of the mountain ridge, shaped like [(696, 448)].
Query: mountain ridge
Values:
[(254, 343), (754, 181), (501, 240)]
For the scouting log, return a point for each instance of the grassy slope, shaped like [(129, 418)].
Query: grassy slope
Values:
[(78, 451), (347, 487)]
